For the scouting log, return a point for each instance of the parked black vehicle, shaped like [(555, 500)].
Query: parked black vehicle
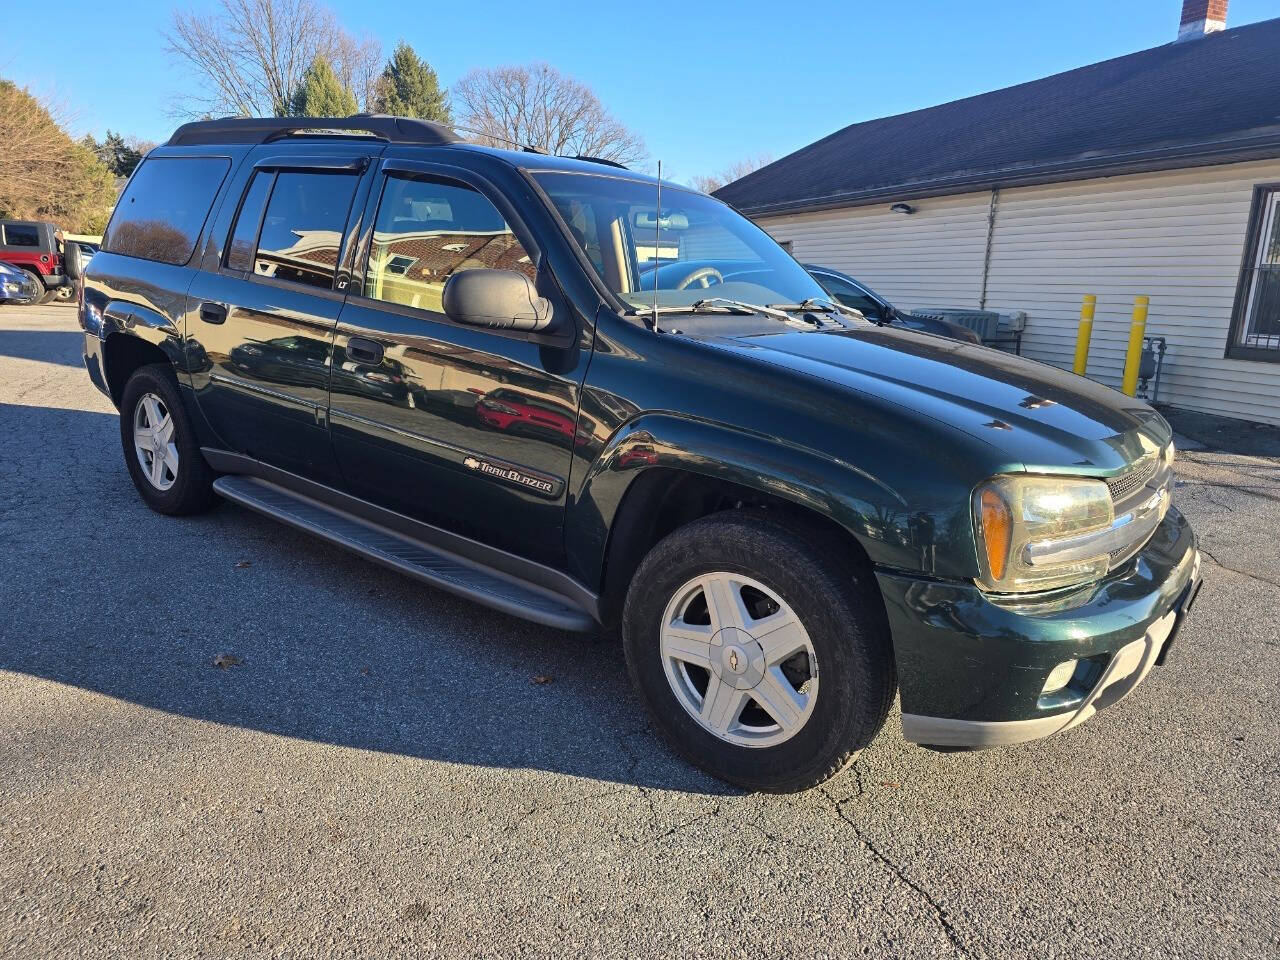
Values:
[(875, 307), (446, 358)]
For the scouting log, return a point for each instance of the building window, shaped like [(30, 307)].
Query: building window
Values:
[(1255, 322)]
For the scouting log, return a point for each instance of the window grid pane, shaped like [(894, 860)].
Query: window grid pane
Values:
[(1261, 329)]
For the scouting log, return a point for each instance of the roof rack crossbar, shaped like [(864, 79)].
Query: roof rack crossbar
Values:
[(266, 129)]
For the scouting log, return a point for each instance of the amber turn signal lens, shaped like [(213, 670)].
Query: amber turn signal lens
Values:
[(996, 530)]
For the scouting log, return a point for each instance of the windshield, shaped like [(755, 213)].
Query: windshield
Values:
[(697, 249)]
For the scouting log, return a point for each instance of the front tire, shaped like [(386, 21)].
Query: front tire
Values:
[(160, 447), (761, 649), (38, 297)]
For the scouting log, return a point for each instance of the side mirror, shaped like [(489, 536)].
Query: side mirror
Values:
[(73, 260), (501, 299)]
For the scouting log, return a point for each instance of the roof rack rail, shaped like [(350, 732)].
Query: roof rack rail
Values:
[(266, 129), (607, 163)]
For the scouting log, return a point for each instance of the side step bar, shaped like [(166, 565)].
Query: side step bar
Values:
[(413, 558)]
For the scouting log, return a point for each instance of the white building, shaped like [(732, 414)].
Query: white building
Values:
[(1157, 173)]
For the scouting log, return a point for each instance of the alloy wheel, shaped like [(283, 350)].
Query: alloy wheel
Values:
[(153, 441), (739, 660)]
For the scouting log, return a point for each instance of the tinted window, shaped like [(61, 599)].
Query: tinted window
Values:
[(162, 210), (244, 237), (303, 226), (22, 235), (426, 231)]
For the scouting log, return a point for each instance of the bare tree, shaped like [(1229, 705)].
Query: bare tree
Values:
[(250, 55), (536, 105), (358, 63), (736, 171)]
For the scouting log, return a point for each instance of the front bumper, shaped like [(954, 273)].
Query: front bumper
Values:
[(972, 668)]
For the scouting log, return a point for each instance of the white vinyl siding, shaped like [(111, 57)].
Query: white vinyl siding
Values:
[(1177, 236)]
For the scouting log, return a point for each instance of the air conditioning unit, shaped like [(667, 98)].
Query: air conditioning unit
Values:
[(984, 323), (1002, 329)]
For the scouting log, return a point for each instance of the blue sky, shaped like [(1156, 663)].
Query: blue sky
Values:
[(705, 83)]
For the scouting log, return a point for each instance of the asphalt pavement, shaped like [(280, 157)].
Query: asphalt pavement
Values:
[(380, 769)]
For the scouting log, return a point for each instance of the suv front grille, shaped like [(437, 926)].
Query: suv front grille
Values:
[(1134, 479)]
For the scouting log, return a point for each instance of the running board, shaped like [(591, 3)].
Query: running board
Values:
[(411, 557)]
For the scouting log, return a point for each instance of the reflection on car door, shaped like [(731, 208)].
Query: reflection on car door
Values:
[(265, 319), (461, 427)]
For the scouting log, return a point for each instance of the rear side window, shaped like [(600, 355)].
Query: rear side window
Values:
[(21, 235), (164, 207), (303, 226)]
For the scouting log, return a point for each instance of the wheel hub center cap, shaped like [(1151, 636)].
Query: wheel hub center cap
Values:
[(737, 658)]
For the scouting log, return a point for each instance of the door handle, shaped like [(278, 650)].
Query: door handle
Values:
[(213, 312), (364, 350)]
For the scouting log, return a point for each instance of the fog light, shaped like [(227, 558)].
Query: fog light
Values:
[(1059, 676)]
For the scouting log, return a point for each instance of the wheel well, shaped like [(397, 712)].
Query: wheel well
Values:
[(662, 500), (122, 355)]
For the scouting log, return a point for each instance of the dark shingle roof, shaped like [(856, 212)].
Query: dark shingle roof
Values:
[(1210, 100)]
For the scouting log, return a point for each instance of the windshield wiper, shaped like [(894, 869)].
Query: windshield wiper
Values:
[(716, 305), (830, 306)]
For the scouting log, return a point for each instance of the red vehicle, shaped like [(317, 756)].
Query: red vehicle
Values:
[(33, 246), (505, 409)]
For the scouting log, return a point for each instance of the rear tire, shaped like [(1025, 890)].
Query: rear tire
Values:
[(810, 601), (160, 447)]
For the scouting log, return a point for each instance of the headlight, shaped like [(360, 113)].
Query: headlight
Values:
[(1034, 533)]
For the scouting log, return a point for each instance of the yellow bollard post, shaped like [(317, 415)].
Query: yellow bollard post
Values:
[(1085, 332), (1134, 355)]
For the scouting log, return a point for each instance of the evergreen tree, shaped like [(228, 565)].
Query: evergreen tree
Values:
[(409, 87), (321, 93)]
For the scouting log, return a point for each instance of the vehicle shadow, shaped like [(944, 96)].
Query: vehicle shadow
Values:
[(48, 346), (105, 595)]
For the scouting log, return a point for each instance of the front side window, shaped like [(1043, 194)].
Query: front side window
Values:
[(426, 231), (1257, 321), (21, 235), (244, 236), (161, 213), (303, 226), (694, 248)]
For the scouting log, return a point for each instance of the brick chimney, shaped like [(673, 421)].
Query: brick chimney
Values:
[(1201, 17)]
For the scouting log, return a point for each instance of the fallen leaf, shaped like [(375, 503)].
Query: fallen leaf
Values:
[(892, 784), (415, 911), (244, 563), (224, 660), (542, 679)]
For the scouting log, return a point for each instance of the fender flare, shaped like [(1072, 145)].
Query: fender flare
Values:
[(867, 508)]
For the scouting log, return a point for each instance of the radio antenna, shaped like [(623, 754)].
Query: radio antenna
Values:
[(657, 248)]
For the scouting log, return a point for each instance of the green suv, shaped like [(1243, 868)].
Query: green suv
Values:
[(448, 359)]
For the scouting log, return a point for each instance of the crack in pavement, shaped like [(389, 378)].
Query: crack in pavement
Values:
[(1260, 492), (1244, 573), (898, 871)]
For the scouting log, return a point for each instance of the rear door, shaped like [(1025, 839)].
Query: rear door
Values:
[(261, 322), (469, 429)]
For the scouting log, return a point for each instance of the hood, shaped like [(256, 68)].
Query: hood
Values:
[(1038, 416)]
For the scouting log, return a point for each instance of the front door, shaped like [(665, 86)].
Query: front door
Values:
[(469, 429), (261, 326)]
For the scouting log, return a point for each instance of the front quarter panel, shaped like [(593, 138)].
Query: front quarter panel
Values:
[(652, 401)]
